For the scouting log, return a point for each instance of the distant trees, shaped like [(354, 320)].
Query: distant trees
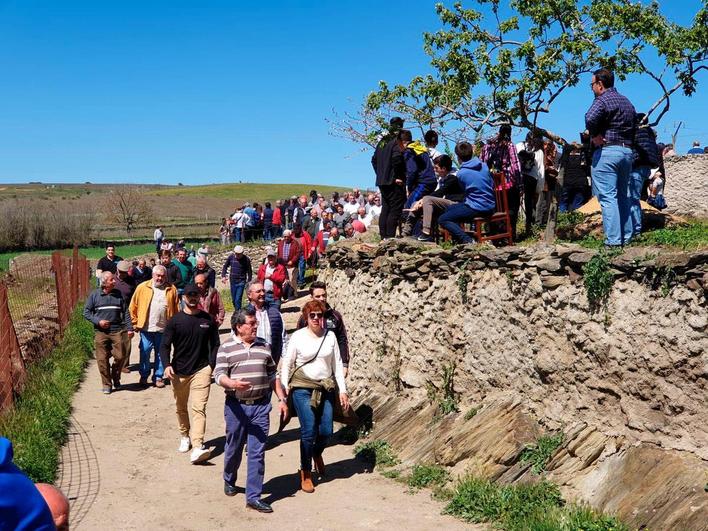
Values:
[(128, 206)]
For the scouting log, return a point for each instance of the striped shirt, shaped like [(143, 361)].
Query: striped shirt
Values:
[(252, 363)]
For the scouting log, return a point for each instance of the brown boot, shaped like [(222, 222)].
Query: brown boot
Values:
[(319, 465), (306, 481)]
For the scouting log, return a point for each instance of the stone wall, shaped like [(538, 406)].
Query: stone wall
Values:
[(686, 189), (627, 383)]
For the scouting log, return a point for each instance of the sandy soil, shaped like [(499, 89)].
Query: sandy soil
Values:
[(123, 471)]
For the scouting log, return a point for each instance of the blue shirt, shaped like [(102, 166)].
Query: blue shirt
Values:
[(479, 186), (696, 151), (612, 116)]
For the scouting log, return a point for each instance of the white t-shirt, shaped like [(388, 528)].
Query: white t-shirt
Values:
[(350, 208), (302, 347), (268, 283), (157, 316)]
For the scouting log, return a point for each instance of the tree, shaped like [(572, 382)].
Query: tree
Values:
[(128, 206), (489, 71)]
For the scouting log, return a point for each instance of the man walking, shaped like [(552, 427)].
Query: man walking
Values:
[(272, 275), (195, 338), (158, 236), (246, 370), (611, 124), (126, 285), (241, 272), (153, 304), (390, 169), (203, 268), (289, 252), (271, 327), (107, 310), (108, 262), (186, 270)]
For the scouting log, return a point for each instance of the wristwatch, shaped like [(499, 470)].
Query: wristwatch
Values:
[(282, 399)]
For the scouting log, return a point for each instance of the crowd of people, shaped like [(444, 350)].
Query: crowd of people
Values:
[(178, 313)]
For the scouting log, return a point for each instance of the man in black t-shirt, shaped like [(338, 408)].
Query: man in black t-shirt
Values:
[(195, 338), (108, 262)]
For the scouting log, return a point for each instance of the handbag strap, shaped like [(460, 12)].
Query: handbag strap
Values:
[(313, 358)]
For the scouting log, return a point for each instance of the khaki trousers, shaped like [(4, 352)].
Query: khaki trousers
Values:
[(195, 387), (433, 205), (109, 344)]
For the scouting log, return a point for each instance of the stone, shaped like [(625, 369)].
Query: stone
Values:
[(547, 264), (552, 282), (580, 259)]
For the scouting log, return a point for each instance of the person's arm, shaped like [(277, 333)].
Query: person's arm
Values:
[(90, 309), (411, 170), (398, 165), (288, 360), (166, 347), (340, 332), (594, 118), (133, 308), (220, 367), (374, 158), (220, 312), (249, 269), (339, 376), (215, 343), (278, 276), (126, 316), (225, 267)]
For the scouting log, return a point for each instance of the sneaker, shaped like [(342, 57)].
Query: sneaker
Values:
[(184, 445), (425, 238), (199, 455), (106, 390), (159, 383)]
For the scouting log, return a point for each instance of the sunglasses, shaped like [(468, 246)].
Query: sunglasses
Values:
[(316, 315)]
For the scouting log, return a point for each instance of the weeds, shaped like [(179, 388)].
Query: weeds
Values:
[(598, 279), (445, 398), (567, 221), (423, 476), (463, 281), (377, 452), (540, 453), (38, 422), (471, 413), (523, 507), (391, 474)]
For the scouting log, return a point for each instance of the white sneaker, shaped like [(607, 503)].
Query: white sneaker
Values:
[(199, 455), (184, 445)]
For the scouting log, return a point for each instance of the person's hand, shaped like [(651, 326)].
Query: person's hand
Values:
[(104, 323), (398, 182), (598, 140), (344, 401), (417, 205), (131, 333), (240, 385), (283, 408), (346, 371), (169, 373)]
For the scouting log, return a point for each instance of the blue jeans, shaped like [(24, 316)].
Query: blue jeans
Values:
[(454, 215), (636, 182), (315, 425), (238, 235), (242, 422), (150, 341), (571, 199), (237, 293), (271, 300), (267, 232), (611, 166), (301, 268)]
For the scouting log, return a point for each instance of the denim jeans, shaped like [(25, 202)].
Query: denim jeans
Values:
[(611, 166), (454, 215), (316, 426), (301, 268), (238, 235), (571, 199), (237, 293), (271, 300), (636, 183), (267, 232), (246, 422), (150, 341)]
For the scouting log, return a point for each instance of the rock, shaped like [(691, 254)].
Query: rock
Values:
[(580, 259), (547, 264), (552, 282)]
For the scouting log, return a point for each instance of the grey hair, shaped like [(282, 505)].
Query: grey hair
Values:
[(239, 317), (159, 269), (250, 285), (104, 275)]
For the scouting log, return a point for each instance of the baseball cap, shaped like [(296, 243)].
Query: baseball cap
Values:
[(270, 251), (124, 266), (191, 289), (238, 249)]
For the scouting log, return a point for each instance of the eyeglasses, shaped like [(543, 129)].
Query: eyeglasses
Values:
[(316, 315), (592, 83)]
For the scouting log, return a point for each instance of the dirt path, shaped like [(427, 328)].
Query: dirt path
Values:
[(122, 470)]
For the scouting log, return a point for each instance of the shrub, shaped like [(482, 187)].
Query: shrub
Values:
[(376, 452), (540, 453), (598, 279), (427, 475)]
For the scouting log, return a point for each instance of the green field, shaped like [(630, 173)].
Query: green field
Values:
[(246, 191)]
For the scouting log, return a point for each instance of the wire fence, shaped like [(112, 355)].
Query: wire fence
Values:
[(37, 297)]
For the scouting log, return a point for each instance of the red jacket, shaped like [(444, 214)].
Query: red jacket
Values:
[(277, 216), (278, 277), (294, 254), (319, 242), (305, 244)]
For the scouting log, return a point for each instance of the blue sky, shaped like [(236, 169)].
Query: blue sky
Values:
[(217, 91)]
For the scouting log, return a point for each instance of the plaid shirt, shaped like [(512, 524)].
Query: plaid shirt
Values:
[(612, 116), (505, 154)]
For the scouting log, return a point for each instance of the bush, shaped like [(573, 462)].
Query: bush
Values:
[(427, 475), (598, 279), (540, 453), (38, 423), (377, 452)]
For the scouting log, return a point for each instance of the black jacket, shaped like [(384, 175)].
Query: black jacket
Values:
[(388, 163), (645, 148), (576, 168), (451, 189)]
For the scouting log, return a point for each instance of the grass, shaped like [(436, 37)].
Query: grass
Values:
[(540, 453), (38, 423), (534, 507), (248, 191), (598, 279), (377, 452), (689, 237), (423, 476)]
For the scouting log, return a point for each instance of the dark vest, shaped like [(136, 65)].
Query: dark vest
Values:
[(276, 331)]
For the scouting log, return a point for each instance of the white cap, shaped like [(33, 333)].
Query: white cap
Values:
[(238, 249)]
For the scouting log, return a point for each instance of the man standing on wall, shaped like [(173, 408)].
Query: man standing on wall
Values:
[(108, 312), (611, 124), (390, 169), (195, 338)]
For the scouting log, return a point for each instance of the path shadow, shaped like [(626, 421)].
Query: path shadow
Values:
[(132, 387), (283, 437), (217, 446), (287, 485)]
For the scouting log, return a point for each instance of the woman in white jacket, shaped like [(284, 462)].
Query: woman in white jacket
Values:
[(313, 374)]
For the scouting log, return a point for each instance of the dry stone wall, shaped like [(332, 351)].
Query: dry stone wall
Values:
[(626, 384)]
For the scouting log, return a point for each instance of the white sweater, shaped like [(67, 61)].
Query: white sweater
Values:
[(302, 347)]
